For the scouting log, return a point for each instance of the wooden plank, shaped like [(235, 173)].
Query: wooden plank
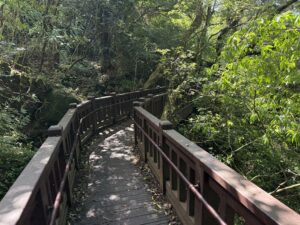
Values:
[(117, 192)]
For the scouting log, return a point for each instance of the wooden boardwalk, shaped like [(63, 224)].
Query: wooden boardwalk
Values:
[(117, 193)]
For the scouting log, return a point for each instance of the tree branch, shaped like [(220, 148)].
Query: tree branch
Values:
[(286, 5), (157, 9), (285, 188), (75, 62)]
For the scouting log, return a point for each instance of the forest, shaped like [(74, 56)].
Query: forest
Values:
[(236, 63)]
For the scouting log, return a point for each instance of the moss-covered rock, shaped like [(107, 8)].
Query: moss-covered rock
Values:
[(53, 107), (43, 103), (56, 104)]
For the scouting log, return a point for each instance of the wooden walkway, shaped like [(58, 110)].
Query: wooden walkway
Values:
[(117, 193)]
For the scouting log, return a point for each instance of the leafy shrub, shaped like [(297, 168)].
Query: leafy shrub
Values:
[(14, 154), (248, 110)]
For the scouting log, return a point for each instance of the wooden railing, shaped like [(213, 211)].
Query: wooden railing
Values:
[(42, 193), (202, 190)]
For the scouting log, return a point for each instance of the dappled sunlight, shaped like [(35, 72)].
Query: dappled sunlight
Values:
[(131, 128), (91, 213), (114, 148), (116, 191), (114, 198), (121, 156), (94, 157)]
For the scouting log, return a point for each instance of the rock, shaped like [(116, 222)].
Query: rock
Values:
[(53, 106)]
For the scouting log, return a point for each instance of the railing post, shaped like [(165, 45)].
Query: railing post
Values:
[(142, 101), (76, 125), (157, 89), (135, 104), (150, 102), (73, 105), (164, 167), (226, 212), (145, 145), (55, 131), (141, 92), (144, 141), (114, 107), (199, 217), (93, 115), (131, 98)]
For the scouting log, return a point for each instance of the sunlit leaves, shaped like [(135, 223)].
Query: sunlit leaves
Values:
[(271, 71), (250, 105)]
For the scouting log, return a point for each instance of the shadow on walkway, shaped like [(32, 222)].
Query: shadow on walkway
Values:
[(117, 193)]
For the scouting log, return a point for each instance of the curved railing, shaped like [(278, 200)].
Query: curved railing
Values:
[(42, 193), (201, 189)]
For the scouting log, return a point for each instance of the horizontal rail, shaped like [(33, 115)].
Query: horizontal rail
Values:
[(42, 194), (103, 107), (189, 184), (181, 168), (59, 195)]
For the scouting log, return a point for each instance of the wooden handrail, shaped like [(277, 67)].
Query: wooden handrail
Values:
[(230, 195), (42, 193), (191, 187)]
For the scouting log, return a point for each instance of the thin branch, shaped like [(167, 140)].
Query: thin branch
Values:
[(245, 145), (285, 188), (75, 62), (157, 10)]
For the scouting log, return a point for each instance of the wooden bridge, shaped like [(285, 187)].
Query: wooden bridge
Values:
[(201, 189)]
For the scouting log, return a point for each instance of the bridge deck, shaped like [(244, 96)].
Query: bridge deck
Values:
[(117, 192)]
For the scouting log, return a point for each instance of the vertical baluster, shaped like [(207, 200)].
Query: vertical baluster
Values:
[(40, 214), (174, 176), (182, 184), (164, 168), (146, 141), (159, 156), (226, 212), (46, 199), (119, 105), (100, 114), (54, 180), (113, 108), (198, 205), (191, 196), (135, 104), (212, 198), (143, 140), (154, 148), (93, 119), (106, 107), (151, 145), (151, 103)]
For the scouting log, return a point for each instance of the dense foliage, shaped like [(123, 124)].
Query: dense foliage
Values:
[(253, 124), (245, 94), (13, 151), (57, 52)]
